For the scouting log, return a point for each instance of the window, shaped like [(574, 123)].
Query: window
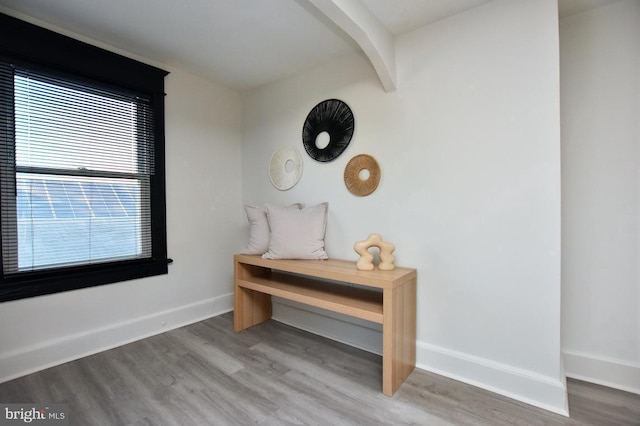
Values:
[(82, 198)]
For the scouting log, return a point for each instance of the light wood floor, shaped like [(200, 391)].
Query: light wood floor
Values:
[(272, 374)]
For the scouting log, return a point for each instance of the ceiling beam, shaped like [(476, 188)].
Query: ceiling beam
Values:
[(365, 29)]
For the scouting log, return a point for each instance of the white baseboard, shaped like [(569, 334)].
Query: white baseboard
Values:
[(516, 383), (23, 361), (522, 385), (602, 371)]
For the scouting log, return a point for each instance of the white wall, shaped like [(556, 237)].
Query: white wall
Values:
[(600, 76), (469, 147), (204, 229)]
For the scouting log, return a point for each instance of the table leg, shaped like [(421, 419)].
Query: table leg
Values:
[(398, 336)]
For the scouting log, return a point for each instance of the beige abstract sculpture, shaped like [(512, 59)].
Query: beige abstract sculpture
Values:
[(365, 263)]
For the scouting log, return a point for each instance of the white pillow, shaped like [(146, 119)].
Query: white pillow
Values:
[(259, 229), (297, 233)]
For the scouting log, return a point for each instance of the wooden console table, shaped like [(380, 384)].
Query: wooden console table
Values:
[(384, 297)]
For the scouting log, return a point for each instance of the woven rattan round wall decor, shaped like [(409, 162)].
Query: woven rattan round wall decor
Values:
[(285, 168), (334, 118), (353, 179)]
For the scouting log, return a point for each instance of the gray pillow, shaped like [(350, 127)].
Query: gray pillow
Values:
[(259, 228), (297, 233)]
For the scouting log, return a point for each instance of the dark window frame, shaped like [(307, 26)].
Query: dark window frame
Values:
[(25, 43)]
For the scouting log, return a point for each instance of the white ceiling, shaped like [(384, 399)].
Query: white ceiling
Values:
[(242, 44)]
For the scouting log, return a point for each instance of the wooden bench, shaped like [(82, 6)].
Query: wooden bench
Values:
[(384, 297)]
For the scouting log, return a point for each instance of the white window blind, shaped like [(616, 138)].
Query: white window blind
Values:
[(81, 160)]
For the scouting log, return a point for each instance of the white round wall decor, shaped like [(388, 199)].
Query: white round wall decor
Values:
[(285, 168)]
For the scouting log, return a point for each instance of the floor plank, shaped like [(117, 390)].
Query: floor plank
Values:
[(273, 374)]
